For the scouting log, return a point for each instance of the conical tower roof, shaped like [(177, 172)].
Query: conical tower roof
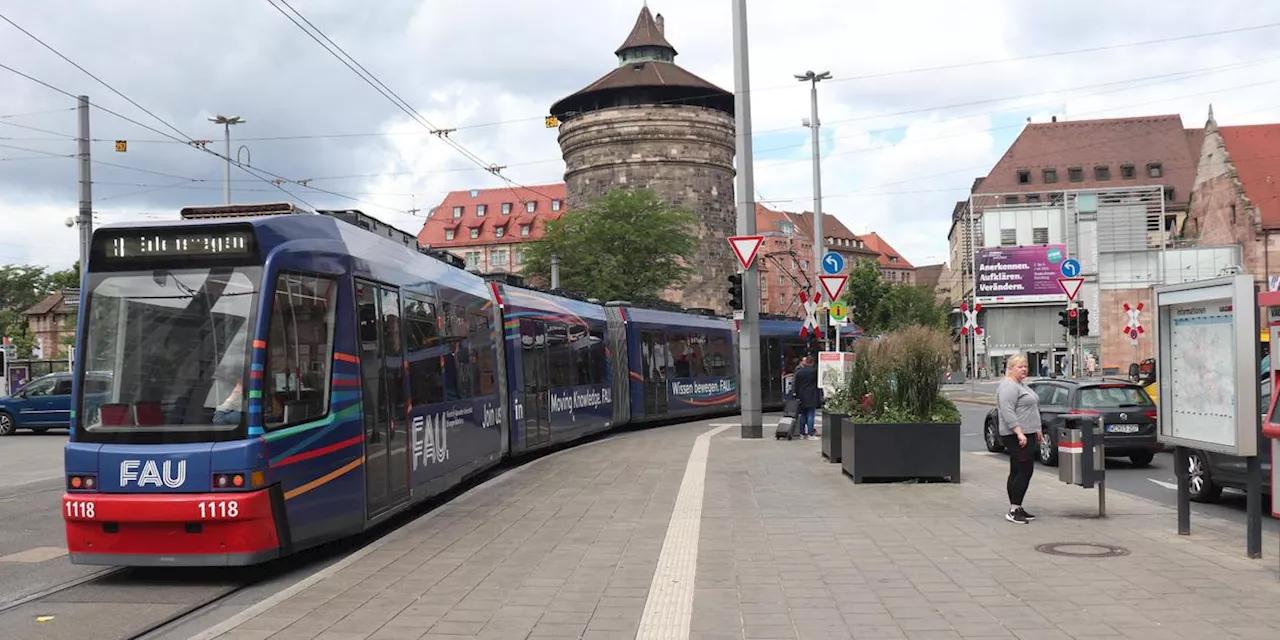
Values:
[(646, 75), (646, 33)]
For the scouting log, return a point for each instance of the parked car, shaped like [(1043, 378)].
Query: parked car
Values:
[(44, 403), (1128, 416), (1210, 472)]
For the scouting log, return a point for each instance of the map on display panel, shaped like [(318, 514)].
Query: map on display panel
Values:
[(1202, 380)]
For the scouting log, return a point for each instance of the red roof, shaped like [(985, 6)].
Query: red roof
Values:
[(461, 212), (886, 251), (1086, 144), (1255, 153)]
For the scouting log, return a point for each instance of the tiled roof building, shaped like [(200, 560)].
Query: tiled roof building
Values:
[(485, 226)]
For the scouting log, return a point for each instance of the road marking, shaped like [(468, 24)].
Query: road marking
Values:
[(1167, 485), (35, 554), (669, 608)]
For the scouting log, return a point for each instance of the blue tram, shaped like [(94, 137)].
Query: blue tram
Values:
[(278, 378)]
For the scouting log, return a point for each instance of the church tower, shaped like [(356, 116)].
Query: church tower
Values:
[(650, 124)]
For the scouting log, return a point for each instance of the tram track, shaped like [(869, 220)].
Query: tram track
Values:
[(154, 603)]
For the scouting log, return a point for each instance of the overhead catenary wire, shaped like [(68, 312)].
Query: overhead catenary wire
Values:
[(1122, 84), (910, 71), (258, 178), (373, 81), (253, 171)]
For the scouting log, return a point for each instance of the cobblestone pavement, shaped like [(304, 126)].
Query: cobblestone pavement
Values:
[(787, 547)]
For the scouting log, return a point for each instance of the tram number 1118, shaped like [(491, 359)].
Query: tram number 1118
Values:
[(218, 510)]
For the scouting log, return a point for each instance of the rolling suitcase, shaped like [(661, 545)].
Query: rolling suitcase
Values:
[(787, 423), (786, 428)]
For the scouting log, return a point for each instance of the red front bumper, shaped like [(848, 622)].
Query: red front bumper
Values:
[(138, 529)]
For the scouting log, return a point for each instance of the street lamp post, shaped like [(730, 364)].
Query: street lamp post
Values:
[(813, 123), (226, 123)]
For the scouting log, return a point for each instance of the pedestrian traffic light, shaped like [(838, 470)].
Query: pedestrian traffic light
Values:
[(1083, 323), (1062, 318), (735, 291)]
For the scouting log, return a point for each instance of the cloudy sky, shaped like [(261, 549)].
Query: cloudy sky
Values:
[(926, 96)]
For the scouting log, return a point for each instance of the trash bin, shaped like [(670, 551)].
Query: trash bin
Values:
[(1081, 452), (1071, 453)]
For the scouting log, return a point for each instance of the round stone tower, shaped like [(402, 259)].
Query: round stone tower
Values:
[(649, 124)]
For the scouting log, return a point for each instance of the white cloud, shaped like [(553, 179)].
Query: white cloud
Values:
[(898, 149)]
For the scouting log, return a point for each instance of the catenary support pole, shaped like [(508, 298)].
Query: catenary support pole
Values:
[(749, 333), (555, 271), (85, 219)]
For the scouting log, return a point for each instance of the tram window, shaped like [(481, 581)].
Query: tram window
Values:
[(426, 377), (392, 348), (485, 369), (580, 345), (599, 357), (717, 357), (559, 356), (300, 350), (682, 355), (459, 364)]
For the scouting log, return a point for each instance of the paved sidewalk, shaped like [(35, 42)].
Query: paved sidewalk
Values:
[(787, 547)]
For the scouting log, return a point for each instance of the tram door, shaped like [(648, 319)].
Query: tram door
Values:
[(386, 428), (537, 383), (656, 362)]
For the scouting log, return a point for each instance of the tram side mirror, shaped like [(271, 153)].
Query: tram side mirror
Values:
[(1133, 371)]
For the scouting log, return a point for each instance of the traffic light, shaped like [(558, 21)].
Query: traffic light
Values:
[(1062, 318), (735, 291), (1083, 323)]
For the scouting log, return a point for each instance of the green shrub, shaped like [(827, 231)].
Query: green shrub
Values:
[(897, 378)]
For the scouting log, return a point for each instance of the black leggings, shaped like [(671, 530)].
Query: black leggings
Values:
[(1022, 463)]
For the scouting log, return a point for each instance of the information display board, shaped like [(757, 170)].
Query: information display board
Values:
[(1207, 334)]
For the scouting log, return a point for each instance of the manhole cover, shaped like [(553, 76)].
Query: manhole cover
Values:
[(1082, 550)]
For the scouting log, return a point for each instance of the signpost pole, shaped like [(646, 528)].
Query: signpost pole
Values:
[(1253, 500), (749, 333)]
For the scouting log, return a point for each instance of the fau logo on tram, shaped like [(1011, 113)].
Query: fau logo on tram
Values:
[(253, 380)]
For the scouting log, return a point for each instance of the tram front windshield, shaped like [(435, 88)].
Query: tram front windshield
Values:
[(171, 348)]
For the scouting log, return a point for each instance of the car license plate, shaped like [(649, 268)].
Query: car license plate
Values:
[(1122, 428)]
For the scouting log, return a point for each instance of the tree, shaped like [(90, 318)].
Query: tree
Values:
[(65, 279), (628, 245), (878, 306), (863, 294)]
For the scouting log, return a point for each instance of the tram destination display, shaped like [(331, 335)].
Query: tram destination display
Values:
[(164, 243)]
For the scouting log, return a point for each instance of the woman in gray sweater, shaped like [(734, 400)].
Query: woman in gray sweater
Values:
[(1018, 409)]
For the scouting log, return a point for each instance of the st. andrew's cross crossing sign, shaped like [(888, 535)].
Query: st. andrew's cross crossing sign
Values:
[(970, 319)]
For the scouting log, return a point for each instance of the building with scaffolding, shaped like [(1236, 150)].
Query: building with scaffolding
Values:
[(1113, 195)]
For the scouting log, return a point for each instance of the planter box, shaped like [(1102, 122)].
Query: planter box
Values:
[(831, 430), (887, 451)]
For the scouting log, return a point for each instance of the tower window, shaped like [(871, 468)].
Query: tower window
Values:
[(1050, 176), (1101, 173), (1024, 176), (1127, 172), (1075, 174), (1155, 170)]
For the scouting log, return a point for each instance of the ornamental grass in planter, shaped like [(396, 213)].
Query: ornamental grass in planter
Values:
[(895, 424)]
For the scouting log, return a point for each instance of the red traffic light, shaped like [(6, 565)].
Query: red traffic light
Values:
[(1072, 313)]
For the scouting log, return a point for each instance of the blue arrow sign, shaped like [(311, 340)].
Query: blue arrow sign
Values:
[(833, 263), (1070, 268)]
